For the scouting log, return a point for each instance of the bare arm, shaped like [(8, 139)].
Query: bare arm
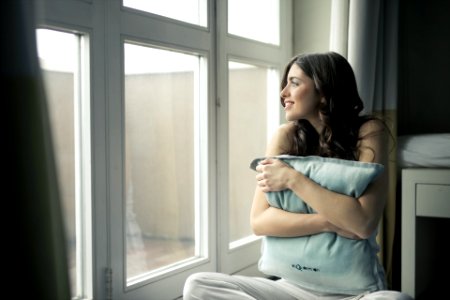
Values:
[(271, 221), (359, 216)]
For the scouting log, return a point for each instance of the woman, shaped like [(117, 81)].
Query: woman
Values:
[(322, 107)]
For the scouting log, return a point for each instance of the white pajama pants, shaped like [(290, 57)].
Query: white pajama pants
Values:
[(216, 286)]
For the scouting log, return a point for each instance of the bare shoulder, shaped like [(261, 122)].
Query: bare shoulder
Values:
[(280, 142), (372, 127), (373, 141), (286, 128)]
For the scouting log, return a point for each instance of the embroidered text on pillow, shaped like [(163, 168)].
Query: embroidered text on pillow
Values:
[(304, 268)]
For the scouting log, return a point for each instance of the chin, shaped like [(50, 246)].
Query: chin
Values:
[(291, 117)]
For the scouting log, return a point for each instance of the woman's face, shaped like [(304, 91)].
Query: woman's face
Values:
[(301, 99)]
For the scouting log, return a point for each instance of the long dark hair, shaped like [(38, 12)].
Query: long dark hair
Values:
[(340, 111)]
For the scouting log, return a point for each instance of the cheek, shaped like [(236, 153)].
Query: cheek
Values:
[(306, 104), (308, 100)]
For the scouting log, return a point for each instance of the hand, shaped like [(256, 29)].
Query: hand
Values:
[(274, 175)]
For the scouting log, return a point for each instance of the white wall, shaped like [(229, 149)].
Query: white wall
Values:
[(311, 25)]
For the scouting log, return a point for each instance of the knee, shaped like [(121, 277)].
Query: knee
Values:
[(194, 284), (400, 296), (391, 295)]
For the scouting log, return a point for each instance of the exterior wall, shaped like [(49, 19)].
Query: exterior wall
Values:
[(154, 201)]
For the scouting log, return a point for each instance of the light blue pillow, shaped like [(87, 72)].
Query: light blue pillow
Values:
[(324, 262)]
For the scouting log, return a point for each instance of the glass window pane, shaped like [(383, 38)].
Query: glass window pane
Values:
[(190, 11), (58, 59), (252, 116), (255, 19), (161, 115)]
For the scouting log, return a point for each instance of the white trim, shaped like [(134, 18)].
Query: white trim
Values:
[(245, 252)]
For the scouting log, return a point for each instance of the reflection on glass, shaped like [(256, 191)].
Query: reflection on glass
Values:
[(161, 91), (250, 120), (190, 11), (58, 57), (255, 19)]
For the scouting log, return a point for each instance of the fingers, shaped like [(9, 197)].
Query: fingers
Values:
[(262, 182), (260, 176), (260, 167), (264, 162), (266, 177), (261, 179), (263, 186), (267, 161)]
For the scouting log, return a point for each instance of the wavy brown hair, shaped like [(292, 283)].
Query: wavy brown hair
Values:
[(340, 111)]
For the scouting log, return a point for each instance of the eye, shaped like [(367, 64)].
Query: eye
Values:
[(294, 82)]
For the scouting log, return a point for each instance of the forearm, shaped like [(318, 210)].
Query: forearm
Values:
[(277, 222), (271, 221), (343, 211)]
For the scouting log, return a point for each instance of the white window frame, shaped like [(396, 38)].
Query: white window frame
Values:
[(83, 159), (244, 258), (107, 24)]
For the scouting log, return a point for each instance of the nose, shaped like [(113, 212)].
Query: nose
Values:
[(283, 92), (283, 95)]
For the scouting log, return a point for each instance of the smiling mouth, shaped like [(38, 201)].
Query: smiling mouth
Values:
[(288, 104)]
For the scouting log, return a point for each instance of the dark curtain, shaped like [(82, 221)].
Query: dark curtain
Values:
[(34, 246)]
